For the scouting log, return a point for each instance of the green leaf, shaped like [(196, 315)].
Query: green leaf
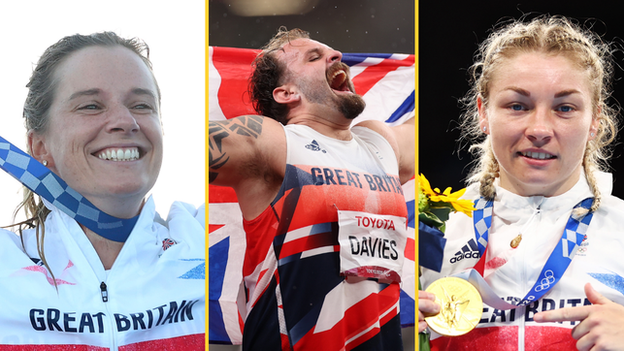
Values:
[(442, 213), (430, 219)]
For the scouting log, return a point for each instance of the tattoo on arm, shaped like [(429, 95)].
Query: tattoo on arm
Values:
[(247, 126)]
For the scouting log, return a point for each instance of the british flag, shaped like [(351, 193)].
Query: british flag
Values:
[(167, 243), (386, 81)]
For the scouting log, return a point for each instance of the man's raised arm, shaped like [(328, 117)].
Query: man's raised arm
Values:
[(232, 143), (245, 150)]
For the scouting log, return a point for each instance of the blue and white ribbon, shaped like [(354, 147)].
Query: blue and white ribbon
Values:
[(482, 218), (51, 187), (559, 260)]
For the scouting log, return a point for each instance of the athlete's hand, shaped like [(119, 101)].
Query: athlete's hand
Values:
[(601, 325), (426, 307)]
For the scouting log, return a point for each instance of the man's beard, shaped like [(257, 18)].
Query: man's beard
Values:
[(350, 105)]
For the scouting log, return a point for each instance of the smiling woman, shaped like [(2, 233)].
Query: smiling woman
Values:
[(545, 224), (539, 116), (93, 118), (93, 114)]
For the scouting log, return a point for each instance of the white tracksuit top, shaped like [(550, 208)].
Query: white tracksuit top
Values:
[(512, 272), (153, 298)]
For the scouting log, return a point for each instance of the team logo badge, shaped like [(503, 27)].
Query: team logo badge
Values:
[(582, 250), (314, 146), (470, 250), (167, 243)]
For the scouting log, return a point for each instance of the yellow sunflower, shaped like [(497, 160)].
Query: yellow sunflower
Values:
[(453, 198)]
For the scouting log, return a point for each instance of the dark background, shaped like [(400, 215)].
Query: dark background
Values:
[(364, 26), (448, 35), (448, 38)]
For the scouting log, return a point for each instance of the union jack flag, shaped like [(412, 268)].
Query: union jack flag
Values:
[(167, 243), (386, 82)]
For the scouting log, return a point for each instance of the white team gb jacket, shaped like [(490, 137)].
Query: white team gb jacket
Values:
[(153, 298), (511, 272)]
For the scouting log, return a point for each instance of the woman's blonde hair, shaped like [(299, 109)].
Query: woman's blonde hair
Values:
[(553, 35)]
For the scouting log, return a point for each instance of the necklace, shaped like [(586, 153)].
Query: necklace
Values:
[(516, 241)]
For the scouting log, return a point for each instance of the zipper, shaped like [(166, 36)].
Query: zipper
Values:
[(104, 292), (522, 314), (521, 330), (538, 210)]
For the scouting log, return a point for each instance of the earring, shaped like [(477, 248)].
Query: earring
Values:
[(45, 163), (591, 134), (484, 128)]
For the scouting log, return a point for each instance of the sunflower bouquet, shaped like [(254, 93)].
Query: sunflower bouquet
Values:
[(434, 206)]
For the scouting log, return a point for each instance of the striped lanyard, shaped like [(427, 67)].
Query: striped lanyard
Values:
[(560, 258), (51, 187)]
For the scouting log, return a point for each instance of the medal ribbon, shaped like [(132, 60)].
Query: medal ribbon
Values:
[(559, 260), (51, 187)]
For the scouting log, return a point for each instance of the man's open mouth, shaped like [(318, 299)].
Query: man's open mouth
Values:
[(338, 77)]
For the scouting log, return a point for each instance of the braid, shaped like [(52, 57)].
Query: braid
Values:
[(487, 189), (553, 35), (590, 174)]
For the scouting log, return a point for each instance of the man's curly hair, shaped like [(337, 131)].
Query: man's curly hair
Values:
[(268, 72)]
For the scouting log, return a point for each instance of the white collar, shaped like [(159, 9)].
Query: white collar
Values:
[(510, 205)]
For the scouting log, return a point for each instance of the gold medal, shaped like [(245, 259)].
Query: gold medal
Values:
[(461, 306)]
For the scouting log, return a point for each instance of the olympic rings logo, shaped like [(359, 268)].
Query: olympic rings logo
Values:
[(549, 278)]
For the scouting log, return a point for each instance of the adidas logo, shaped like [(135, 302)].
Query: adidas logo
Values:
[(470, 250), (314, 146)]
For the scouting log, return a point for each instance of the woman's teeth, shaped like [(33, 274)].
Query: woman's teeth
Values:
[(538, 155), (130, 154)]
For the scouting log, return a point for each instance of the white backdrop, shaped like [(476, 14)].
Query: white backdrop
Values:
[(175, 33)]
